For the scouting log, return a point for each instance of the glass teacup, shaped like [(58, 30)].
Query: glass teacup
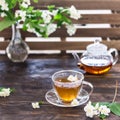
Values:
[(68, 84)]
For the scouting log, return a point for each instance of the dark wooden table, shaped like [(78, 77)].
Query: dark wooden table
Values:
[(32, 80)]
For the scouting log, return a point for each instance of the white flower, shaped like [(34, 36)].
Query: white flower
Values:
[(46, 17), (71, 29), (51, 28), (5, 92), (72, 78), (35, 105), (75, 102), (74, 13), (4, 5), (25, 3), (54, 12), (21, 14), (89, 109), (96, 111), (29, 29), (32, 30), (3, 14), (2, 94), (104, 110)]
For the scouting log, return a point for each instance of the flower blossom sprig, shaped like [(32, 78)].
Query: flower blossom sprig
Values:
[(36, 105), (102, 109), (44, 23), (4, 92), (40, 22)]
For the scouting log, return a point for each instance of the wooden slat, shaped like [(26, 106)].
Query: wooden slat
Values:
[(69, 45), (91, 32), (6, 33), (81, 4), (63, 45), (94, 18), (82, 32), (86, 19), (99, 18)]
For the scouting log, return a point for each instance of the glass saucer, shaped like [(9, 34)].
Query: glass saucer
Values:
[(51, 97)]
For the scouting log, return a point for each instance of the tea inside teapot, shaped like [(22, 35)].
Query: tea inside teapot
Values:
[(95, 65)]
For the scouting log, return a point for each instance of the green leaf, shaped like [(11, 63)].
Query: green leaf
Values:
[(51, 7), (30, 9), (41, 102), (1, 88), (58, 17), (115, 108), (5, 23), (12, 89), (59, 23), (102, 116), (67, 20), (102, 103), (36, 1), (24, 27), (12, 3)]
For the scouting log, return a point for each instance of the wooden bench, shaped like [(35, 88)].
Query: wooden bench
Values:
[(110, 35)]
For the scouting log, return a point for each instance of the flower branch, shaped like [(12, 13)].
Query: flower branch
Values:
[(41, 23)]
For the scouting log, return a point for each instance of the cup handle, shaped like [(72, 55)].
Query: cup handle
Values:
[(90, 85)]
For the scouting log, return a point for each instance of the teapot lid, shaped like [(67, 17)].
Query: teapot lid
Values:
[(97, 48)]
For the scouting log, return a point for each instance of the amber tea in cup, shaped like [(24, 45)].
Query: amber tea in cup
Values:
[(67, 84)]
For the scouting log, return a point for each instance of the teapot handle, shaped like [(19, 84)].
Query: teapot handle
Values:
[(115, 56)]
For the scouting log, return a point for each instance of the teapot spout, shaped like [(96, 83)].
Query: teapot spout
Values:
[(76, 57)]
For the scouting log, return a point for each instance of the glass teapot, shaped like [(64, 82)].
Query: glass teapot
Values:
[(97, 59)]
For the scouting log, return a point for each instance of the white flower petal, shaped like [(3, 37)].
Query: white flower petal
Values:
[(104, 110), (35, 105), (4, 5), (74, 13), (51, 28), (21, 14), (90, 110), (71, 29), (3, 14), (75, 102), (72, 78), (46, 17), (5, 92)]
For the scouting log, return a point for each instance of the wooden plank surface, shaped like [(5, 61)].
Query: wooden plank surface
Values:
[(81, 4), (99, 18), (32, 79), (82, 32), (90, 32), (63, 45)]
